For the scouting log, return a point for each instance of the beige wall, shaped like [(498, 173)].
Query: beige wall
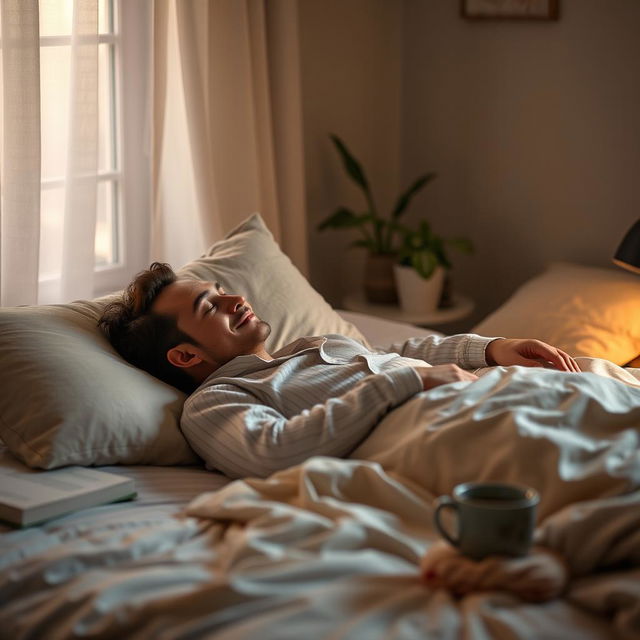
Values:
[(534, 130), (350, 56)]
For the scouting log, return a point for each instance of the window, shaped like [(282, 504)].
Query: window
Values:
[(121, 247)]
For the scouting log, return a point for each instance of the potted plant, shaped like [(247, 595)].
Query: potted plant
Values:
[(421, 267), (378, 233)]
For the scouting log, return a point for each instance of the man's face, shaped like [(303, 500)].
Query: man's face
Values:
[(223, 324)]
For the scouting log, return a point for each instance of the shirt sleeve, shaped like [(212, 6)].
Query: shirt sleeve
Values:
[(236, 434), (467, 350)]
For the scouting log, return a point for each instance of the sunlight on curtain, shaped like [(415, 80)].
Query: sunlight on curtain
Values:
[(20, 171), (176, 234), (79, 229), (55, 138), (235, 97)]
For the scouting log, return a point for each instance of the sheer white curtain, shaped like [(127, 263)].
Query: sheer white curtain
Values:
[(78, 245), (22, 232), (228, 125), (20, 183)]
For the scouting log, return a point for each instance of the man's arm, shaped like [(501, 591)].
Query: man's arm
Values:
[(466, 350), (234, 433), (471, 351)]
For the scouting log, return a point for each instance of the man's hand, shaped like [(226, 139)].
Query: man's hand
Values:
[(443, 374), (528, 353)]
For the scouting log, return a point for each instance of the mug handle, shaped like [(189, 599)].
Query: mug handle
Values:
[(444, 502)]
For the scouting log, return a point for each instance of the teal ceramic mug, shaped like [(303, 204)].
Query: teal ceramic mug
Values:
[(492, 518)]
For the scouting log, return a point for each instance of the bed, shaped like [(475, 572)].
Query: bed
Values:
[(329, 548)]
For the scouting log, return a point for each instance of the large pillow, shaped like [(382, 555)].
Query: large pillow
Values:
[(248, 261), (68, 398), (586, 311)]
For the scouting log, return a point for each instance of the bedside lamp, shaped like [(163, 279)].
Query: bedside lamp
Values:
[(628, 254)]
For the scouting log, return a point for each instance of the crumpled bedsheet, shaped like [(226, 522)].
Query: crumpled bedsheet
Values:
[(330, 548)]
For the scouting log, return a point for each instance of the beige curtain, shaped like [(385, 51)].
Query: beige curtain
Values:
[(227, 124), (20, 166), (81, 193), (23, 235)]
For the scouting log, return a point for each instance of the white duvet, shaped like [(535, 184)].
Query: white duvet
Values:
[(330, 548)]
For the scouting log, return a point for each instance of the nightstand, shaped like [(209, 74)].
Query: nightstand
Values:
[(462, 307)]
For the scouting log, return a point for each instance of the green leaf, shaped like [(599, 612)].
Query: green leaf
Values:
[(461, 244), (425, 263), (342, 218), (440, 253), (405, 198), (351, 165)]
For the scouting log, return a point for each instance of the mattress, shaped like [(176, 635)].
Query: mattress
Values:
[(160, 490)]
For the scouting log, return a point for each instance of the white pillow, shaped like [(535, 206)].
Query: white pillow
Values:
[(249, 262), (68, 398), (586, 311)]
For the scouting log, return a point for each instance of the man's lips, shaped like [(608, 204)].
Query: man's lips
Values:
[(246, 316)]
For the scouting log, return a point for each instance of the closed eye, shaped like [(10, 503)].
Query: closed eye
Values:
[(211, 308), (201, 298)]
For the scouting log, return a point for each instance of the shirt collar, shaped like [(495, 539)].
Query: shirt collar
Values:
[(248, 363)]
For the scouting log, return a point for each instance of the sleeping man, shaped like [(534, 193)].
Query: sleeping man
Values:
[(251, 413)]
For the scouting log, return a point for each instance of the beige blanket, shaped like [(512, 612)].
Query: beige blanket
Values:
[(352, 532)]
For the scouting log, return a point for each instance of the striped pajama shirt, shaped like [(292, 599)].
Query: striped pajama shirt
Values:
[(318, 396)]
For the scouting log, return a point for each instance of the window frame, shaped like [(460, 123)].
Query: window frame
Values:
[(133, 115)]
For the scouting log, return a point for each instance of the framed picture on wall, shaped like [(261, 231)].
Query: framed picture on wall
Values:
[(510, 9)]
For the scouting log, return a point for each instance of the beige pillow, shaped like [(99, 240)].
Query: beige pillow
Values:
[(586, 311), (249, 262), (68, 398)]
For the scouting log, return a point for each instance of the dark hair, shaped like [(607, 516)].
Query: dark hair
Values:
[(143, 337)]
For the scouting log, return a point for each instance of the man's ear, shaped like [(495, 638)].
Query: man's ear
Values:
[(184, 356)]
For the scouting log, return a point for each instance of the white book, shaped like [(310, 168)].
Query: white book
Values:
[(30, 497)]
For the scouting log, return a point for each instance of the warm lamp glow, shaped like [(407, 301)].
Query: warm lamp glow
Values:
[(628, 254)]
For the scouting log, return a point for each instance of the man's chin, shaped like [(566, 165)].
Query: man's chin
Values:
[(265, 329)]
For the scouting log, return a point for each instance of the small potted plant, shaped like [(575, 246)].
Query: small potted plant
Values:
[(378, 233), (420, 271)]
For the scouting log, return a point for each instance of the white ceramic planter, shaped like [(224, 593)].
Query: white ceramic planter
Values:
[(416, 294)]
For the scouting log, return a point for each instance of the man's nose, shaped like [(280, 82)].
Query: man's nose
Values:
[(235, 302)]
